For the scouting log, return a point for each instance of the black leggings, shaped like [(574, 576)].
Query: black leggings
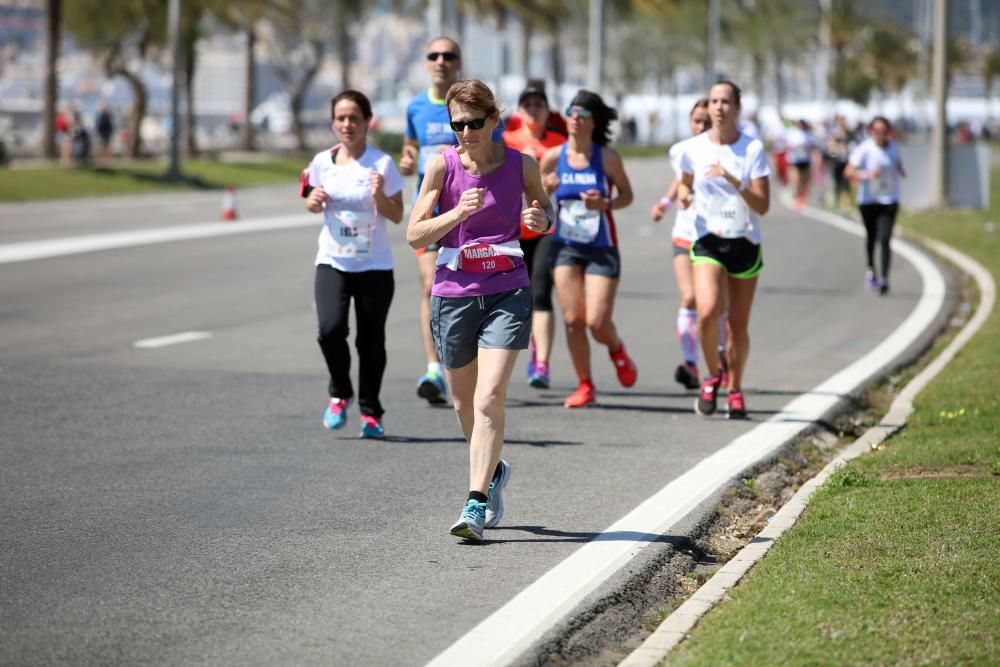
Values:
[(372, 292), (879, 220), (536, 257)]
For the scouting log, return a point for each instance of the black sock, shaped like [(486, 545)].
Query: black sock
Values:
[(478, 497)]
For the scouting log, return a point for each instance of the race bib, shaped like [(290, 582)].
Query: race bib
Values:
[(881, 186), (352, 233), (482, 258), (728, 216), (577, 222), (429, 152)]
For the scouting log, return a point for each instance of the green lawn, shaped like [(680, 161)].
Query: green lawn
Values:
[(63, 183), (897, 559)]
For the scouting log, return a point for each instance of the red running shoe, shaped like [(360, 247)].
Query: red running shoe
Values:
[(737, 406), (705, 405), (584, 395), (624, 366)]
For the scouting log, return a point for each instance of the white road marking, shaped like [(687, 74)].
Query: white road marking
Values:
[(513, 628), (172, 339), (73, 245)]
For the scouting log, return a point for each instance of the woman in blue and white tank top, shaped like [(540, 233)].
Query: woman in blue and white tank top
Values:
[(583, 175)]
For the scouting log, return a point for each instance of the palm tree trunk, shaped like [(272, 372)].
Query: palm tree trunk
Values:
[(250, 94), (526, 32), (344, 49), (53, 19), (299, 96), (555, 54), (139, 103), (189, 115)]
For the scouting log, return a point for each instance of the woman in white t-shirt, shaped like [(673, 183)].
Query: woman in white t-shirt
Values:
[(358, 190), (683, 235), (725, 179), (877, 165)]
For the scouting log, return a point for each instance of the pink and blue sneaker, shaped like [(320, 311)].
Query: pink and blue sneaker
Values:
[(336, 414), (371, 427)]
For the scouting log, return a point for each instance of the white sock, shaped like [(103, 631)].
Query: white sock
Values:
[(434, 367)]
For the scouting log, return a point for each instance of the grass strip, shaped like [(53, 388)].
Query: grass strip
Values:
[(895, 560), (18, 185)]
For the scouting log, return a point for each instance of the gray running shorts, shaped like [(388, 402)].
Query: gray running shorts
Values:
[(461, 325)]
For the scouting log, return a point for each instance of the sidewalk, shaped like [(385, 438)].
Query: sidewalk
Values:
[(895, 559)]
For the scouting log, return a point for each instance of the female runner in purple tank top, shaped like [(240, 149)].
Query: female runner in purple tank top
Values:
[(481, 299)]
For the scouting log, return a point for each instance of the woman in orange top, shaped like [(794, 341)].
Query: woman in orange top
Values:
[(531, 131)]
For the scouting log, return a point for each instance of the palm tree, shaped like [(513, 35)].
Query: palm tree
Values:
[(53, 20), (989, 72), (132, 29)]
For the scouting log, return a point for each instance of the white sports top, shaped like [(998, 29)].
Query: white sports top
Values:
[(868, 156), (684, 221), (719, 207), (354, 236)]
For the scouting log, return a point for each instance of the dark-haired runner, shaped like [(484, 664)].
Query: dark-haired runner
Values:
[(725, 176), (583, 174), (358, 189), (877, 165)]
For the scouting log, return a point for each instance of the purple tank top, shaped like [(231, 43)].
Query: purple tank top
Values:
[(498, 221)]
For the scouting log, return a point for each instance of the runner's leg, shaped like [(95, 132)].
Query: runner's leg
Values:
[(708, 286), (371, 304), (600, 305), (427, 265), (569, 288), (333, 301), (741, 293), (489, 405)]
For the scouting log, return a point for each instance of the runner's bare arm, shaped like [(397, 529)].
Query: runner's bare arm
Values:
[(685, 190), (758, 195), (424, 228), (550, 179), (408, 160), (615, 169), (534, 191)]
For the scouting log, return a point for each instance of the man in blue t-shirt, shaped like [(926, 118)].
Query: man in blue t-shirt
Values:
[(428, 133)]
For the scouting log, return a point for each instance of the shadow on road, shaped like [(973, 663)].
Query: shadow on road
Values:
[(552, 535)]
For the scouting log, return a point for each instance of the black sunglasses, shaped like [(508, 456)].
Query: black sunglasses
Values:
[(449, 56), (474, 124)]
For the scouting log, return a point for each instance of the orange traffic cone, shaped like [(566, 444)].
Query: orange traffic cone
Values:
[(229, 203)]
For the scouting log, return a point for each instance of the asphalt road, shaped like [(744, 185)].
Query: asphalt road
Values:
[(184, 505)]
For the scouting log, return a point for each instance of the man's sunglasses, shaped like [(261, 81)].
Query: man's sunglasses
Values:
[(449, 56), (578, 111), (474, 124)]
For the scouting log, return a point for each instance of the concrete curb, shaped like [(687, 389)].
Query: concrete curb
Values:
[(676, 627)]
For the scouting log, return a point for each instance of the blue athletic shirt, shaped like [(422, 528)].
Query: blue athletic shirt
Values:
[(574, 223), (428, 124)]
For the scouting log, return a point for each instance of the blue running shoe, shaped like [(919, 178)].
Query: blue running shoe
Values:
[(336, 414), (431, 387), (470, 522), (494, 497), (371, 427), (540, 378)]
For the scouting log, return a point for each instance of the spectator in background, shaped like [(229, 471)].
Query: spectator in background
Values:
[(79, 141), (104, 125)]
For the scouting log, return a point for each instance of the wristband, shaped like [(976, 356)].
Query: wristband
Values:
[(665, 201)]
